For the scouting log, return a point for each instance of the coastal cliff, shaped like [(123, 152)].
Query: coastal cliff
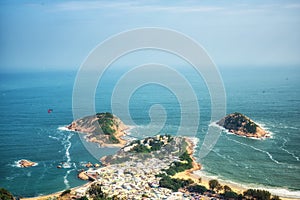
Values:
[(105, 129), (242, 125)]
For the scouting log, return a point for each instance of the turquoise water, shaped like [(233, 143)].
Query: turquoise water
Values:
[(269, 96)]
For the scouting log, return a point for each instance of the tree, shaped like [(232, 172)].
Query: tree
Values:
[(227, 188), (197, 188), (95, 191), (230, 195), (173, 183), (214, 184), (275, 198), (258, 194), (5, 194), (219, 188), (200, 180)]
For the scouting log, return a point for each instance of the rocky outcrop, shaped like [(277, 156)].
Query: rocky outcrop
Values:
[(89, 165), (242, 125), (83, 176), (26, 163)]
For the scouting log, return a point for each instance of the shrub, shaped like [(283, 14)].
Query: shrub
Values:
[(5, 194), (173, 184), (258, 194), (65, 192), (197, 188)]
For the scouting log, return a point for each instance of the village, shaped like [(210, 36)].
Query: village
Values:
[(138, 177)]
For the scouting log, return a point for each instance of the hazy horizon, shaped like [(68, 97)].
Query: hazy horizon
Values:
[(59, 35)]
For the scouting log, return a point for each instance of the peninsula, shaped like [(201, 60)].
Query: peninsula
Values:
[(242, 125)]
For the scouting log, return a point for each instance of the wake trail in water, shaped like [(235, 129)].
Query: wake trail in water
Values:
[(257, 149), (290, 153), (67, 145)]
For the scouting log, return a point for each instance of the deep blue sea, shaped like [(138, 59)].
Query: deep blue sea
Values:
[(270, 96)]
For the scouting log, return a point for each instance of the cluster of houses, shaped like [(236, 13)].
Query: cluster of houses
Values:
[(136, 178)]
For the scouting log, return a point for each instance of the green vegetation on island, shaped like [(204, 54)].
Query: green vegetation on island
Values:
[(106, 121), (240, 124), (103, 128), (238, 121)]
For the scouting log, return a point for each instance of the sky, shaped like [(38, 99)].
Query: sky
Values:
[(59, 35)]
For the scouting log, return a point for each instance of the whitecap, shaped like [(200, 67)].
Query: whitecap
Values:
[(54, 138), (66, 165), (257, 149), (64, 128)]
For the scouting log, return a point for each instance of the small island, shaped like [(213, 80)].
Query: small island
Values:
[(103, 128), (242, 125)]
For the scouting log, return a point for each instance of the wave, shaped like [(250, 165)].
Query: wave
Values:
[(290, 153), (282, 192), (67, 147), (54, 138), (66, 182), (129, 129), (265, 127), (64, 128), (257, 149)]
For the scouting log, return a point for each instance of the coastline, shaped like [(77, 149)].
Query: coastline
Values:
[(57, 194), (194, 173)]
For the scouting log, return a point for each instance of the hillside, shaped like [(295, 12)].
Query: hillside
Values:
[(103, 128)]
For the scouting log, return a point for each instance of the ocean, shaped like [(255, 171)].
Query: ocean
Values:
[(270, 96)]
